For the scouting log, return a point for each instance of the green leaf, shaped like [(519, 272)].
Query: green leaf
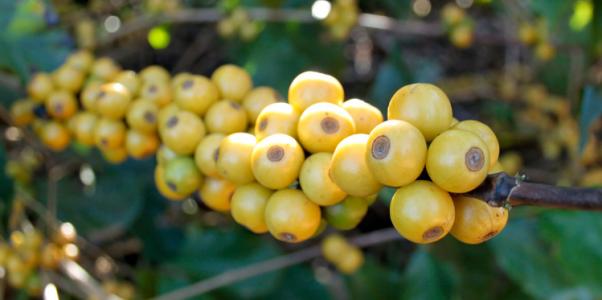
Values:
[(391, 76), (426, 278), (299, 283), (591, 110), (374, 280)]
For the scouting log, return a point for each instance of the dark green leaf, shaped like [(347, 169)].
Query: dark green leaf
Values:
[(591, 110), (426, 278)]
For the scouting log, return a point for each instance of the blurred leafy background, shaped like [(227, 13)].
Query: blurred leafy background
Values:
[(542, 253)]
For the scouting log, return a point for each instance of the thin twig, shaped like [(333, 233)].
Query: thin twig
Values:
[(270, 265)]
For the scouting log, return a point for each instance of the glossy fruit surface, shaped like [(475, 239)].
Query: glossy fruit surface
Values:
[(349, 170), (140, 144), (81, 60), (350, 261), (365, 116), (226, 117), (316, 183), (346, 214), (164, 154), (322, 126), (332, 246), (105, 69), (206, 153), (257, 99), (248, 206), (457, 160), (129, 79), (109, 133), (217, 193), (55, 136), (276, 161), (422, 212), (423, 105), (154, 73), (114, 155), (142, 115), (486, 134), (89, 96), (113, 100), (182, 176), (233, 82), (313, 87), (183, 132), (196, 93), (161, 185), (61, 105), (157, 92), (68, 79), (291, 217), (21, 112), (476, 221), (39, 87), (85, 123), (277, 118), (396, 153), (234, 158)]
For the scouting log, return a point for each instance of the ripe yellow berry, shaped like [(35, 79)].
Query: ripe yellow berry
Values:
[(183, 132), (21, 112), (234, 157), (365, 116), (164, 154), (51, 256), (196, 93), (89, 96), (85, 123), (545, 51), (313, 87), (316, 183), (182, 176), (154, 73), (457, 161), (257, 99), (486, 134), (142, 115), (333, 246), (291, 217), (165, 113), (452, 15), (178, 79), (350, 260), (422, 212), (158, 92), (233, 82), (161, 185), (206, 153), (322, 126), (139, 144), (217, 193), (396, 153), (113, 101), (114, 156), (109, 133), (276, 161), (105, 69), (462, 35), (248, 206), (348, 168), (61, 105), (55, 136), (277, 118), (40, 87), (476, 221), (81, 60), (129, 79), (68, 79), (527, 34), (424, 106), (226, 117), (346, 214)]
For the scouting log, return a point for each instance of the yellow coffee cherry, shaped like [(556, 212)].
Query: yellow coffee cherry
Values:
[(140, 145), (40, 86), (454, 122), (164, 154), (512, 162), (68, 79), (115, 156), (217, 193), (183, 132), (196, 93), (182, 176), (206, 153), (277, 118), (142, 115), (21, 112), (113, 101), (109, 133), (234, 157), (545, 51), (158, 92), (486, 134), (55, 136), (317, 183), (350, 261), (333, 246), (348, 168), (457, 160), (257, 99), (424, 106), (422, 212), (105, 69), (462, 35), (51, 256), (248, 206), (81, 60), (312, 87), (322, 126), (165, 113), (178, 79), (527, 34), (161, 185), (497, 168), (396, 153), (129, 79), (226, 117), (89, 96), (85, 124), (476, 221), (346, 214), (233, 82), (276, 161), (365, 116), (61, 105), (452, 15), (291, 217), (154, 73)]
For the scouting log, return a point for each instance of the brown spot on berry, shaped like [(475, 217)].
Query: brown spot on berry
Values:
[(489, 235), (235, 105), (149, 117), (215, 154), (263, 124), (380, 147), (432, 234), (275, 153), (474, 159), (58, 108), (172, 186), (287, 237), (101, 94), (172, 122), (187, 84), (104, 141), (329, 125), (152, 89)]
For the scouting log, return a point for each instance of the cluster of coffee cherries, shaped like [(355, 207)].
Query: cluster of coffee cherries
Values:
[(346, 257), (341, 18), (27, 252), (238, 23), (536, 35), (459, 26)]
